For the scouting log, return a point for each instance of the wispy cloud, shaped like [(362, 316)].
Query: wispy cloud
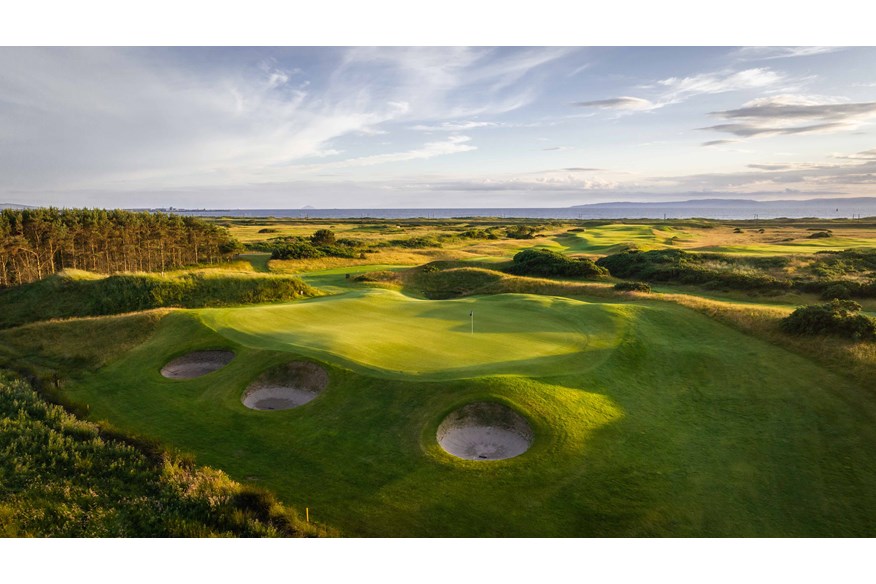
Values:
[(452, 145), (455, 126), (768, 53), (674, 90), (791, 114), (618, 103)]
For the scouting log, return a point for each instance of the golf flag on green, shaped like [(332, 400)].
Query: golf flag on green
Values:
[(471, 315)]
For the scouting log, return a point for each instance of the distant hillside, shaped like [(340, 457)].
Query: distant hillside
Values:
[(15, 206)]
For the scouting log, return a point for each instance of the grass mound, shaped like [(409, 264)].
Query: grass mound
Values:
[(83, 294)]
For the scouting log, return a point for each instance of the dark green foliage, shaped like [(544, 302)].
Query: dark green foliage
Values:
[(820, 235), (522, 231), (840, 264), (416, 242), (268, 230), (544, 262), (64, 477), (717, 270), (477, 233), (296, 249), (35, 243), (633, 287), (323, 237), (61, 296), (837, 317), (836, 291)]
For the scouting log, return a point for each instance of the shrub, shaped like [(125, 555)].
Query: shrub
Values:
[(544, 262), (837, 317), (820, 235), (323, 237), (633, 287), (269, 230), (521, 232), (296, 250), (836, 291)]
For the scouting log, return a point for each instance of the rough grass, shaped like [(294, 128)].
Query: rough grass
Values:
[(82, 294), (63, 477)]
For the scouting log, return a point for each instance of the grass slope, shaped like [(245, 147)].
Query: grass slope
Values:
[(671, 424)]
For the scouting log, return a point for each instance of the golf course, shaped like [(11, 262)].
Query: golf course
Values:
[(529, 406)]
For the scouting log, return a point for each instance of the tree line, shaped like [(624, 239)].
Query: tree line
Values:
[(35, 243)]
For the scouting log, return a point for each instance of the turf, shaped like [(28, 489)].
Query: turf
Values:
[(671, 424), (389, 333)]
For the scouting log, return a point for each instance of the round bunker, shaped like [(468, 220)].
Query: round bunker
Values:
[(287, 386), (484, 431), (196, 364)]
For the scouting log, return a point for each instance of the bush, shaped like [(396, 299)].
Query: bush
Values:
[(837, 317), (820, 235), (323, 237), (633, 287), (836, 291), (296, 250), (521, 232), (269, 230), (544, 262)]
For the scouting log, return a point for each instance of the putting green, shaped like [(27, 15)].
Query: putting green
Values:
[(392, 334)]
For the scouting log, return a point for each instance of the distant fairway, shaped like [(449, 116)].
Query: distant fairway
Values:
[(393, 333)]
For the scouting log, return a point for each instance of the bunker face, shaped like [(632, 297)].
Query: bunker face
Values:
[(196, 364), (484, 431), (285, 387)]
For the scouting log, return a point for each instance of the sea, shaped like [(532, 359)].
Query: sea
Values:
[(824, 208)]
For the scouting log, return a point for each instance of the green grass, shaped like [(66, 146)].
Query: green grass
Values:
[(663, 423), (389, 333), (802, 245), (608, 239)]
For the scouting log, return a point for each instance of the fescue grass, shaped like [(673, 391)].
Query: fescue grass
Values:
[(74, 294), (64, 477)]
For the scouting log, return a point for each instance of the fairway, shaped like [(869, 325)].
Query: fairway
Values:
[(391, 333)]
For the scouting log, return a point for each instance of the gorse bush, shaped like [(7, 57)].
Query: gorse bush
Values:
[(544, 262), (64, 477), (632, 287), (673, 265), (837, 317)]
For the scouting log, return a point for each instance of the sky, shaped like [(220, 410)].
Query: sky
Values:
[(368, 127)]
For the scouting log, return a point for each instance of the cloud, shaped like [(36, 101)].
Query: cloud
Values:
[(455, 126), (792, 114), (620, 103), (452, 145), (557, 149), (674, 90), (719, 142), (768, 53), (679, 88), (123, 119)]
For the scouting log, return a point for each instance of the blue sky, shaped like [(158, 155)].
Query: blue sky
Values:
[(433, 127)]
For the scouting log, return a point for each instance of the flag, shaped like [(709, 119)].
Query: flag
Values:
[(471, 313)]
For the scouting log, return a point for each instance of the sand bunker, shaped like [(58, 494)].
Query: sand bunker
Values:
[(286, 386), (196, 364), (485, 431)]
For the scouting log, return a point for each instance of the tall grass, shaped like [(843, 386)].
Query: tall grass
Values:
[(64, 477), (82, 294)]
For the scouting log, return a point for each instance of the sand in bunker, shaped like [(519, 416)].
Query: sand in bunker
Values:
[(196, 364), (286, 386), (484, 431)]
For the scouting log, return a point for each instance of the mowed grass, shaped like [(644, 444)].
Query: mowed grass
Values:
[(390, 333), (672, 424)]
